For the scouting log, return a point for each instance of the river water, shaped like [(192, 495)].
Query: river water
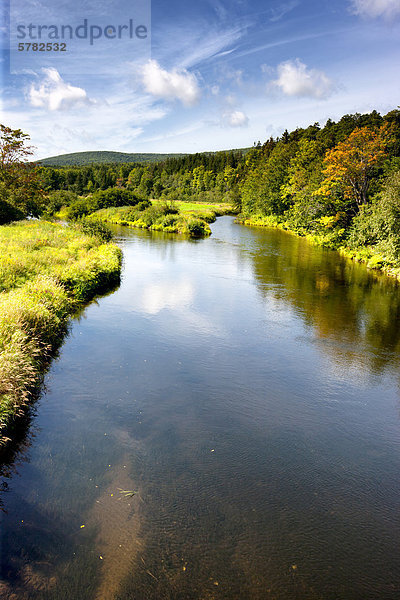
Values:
[(246, 388)]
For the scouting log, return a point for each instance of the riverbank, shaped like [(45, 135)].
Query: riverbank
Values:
[(46, 272), (365, 255)]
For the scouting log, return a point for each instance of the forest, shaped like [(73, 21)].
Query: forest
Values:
[(338, 184)]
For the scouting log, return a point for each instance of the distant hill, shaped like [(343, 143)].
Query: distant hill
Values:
[(101, 157)]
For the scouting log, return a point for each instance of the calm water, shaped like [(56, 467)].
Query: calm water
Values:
[(247, 388)]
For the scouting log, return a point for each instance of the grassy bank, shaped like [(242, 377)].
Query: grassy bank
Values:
[(207, 210), (331, 239), (46, 272), (187, 218)]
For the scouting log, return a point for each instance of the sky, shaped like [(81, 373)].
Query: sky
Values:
[(195, 76)]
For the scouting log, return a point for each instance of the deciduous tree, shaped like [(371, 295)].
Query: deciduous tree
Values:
[(350, 165), (20, 184)]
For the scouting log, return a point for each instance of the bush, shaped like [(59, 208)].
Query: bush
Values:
[(56, 200), (168, 208), (9, 213), (80, 208), (113, 197), (96, 228), (196, 228)]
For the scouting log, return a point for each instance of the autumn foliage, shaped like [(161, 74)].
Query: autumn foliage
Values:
[(349, 166)]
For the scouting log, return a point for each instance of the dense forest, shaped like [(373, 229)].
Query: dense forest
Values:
[(339, 183)]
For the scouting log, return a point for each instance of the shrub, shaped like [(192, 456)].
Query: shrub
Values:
[(113, 197), (56, 200), (168, 208), (9, 213), (81, 207), (197, 228), (96, 228)]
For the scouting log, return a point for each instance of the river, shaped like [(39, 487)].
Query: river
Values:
[(246, 388)]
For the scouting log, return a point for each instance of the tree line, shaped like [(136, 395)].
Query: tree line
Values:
[(340, 181)]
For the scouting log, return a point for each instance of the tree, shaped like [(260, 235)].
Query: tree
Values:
[(304, 177), (20, 183), (350, 165), (261, 190)]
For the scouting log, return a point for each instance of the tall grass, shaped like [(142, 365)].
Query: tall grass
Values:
[(159, 216), (46, 272)]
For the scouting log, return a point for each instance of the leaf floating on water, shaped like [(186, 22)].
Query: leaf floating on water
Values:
[(82, 526)]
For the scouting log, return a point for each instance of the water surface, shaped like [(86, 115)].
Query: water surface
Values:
[(246, 387)]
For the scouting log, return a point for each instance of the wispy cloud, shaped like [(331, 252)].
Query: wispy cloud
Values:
[(295, 79), (278, 12), (186, 45), (284, 42), (388, 9), (177, 84)]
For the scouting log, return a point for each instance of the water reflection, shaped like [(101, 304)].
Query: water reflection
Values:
[(353, 312)]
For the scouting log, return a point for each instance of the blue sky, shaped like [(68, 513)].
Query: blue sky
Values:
[(210, 75)]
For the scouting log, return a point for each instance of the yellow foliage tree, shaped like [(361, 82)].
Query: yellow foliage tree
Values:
[(348, 167)]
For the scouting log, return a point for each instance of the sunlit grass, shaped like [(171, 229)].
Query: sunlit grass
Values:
[(46, 271), (187, 218)]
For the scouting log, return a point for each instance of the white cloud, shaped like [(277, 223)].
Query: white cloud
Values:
[(170, 85), (235, 118), (53, 93), (295, 79), (388, 9)]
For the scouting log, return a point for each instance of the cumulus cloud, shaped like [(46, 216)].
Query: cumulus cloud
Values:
[(388, 9), (235, 118), (170, 85), (295, 79), (53, 93)]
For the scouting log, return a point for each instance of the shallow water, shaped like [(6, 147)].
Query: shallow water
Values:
[(246, 387)]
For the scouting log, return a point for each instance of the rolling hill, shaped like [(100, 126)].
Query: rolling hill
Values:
[(77, 159), (101, 157)]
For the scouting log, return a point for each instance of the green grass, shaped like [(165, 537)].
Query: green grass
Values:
[(197, 208), (187, 218), (46, 272)]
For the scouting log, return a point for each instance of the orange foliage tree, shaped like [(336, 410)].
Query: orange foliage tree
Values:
[(349, 166)]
